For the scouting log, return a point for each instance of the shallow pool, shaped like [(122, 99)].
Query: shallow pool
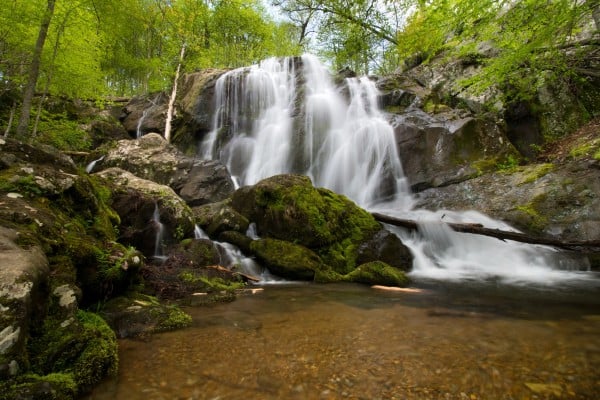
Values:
[(353, 342)]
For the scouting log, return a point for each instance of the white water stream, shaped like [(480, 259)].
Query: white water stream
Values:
[(266, 124)]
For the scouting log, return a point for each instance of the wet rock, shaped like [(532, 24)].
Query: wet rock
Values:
[(216, 218), (455, 150), (207, 182), (196, 101), (561, 201), (136, 201), (288, 260), (138, 314), (153, 158), (386, 247), (145, 114)]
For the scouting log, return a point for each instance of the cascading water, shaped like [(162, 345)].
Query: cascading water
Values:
[(232, 257), (264, 127), (90, 167), (159, 233)]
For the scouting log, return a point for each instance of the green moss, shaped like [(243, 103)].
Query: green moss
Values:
[(508, 164), (535, 222), (326, 275), (377, 273), (586, 149), (287, 259), (536, 172), (175, 319), (84, 348), (210, 284), (13, 181), (341, 256), (55, 386)]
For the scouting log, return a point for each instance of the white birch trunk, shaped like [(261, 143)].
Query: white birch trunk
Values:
[(173, 95)]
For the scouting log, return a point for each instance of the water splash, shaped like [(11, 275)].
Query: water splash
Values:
[(275, 118)]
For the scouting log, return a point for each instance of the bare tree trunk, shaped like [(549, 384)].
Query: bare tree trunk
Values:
[(477, 229), (34, 70), (10, 118), (173, 95)]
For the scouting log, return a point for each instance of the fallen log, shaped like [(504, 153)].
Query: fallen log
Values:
[(478, 229), (244, 276)]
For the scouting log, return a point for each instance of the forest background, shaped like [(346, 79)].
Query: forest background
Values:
[(101, 50)]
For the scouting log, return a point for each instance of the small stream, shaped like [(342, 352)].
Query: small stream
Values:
[(451, 341)]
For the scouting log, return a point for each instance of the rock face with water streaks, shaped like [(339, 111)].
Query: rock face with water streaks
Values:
[(145, 208)]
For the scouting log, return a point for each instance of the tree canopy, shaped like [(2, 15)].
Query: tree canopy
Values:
[(98, 49)]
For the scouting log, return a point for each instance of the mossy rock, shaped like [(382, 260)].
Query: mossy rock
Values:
[(55, 386), (377, 273), (82, 349), (288, 260), (137, 314), (288, 207), (216, 218)]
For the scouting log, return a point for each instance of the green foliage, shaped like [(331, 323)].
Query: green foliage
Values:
[(63, 133), (509, 164), (24, 185), (210, 284), (525, 37)]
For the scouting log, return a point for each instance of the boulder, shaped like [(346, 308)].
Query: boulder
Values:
[(207, 182), (560, 201), (386, 247), (438, 152), (137, 314), (288, 207), (313, 224), (153, 158), (377, 273), (23, 287), (216, 218), (145, 114), (152, 215), (288, 260)]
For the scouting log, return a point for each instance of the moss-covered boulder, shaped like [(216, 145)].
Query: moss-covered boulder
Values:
[(288, 260), (136, 314), (341, 234), (290, 208), (377, 273), (67, 358)]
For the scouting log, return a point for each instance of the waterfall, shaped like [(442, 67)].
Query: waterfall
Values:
[(90, 167), (275, 118), (138, 129), (159, 233), (232, 257)]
